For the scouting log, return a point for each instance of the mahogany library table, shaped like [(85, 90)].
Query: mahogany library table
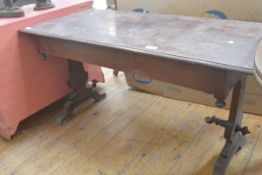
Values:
[(210, 55)]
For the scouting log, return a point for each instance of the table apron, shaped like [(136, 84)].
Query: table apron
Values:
[(207, 79)]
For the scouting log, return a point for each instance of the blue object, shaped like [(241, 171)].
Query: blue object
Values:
[(215, 13), (140, 10)]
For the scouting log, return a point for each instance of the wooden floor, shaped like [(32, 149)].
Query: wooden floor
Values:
[(128, 133)]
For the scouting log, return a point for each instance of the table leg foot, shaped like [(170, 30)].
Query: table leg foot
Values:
[(77, 99), (77, 81), (227, 153)]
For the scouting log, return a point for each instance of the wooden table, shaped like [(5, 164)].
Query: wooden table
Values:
[(209, 55)]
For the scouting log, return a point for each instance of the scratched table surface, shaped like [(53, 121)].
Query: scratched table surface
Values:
[(219, 43)]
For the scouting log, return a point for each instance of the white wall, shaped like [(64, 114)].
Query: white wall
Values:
[(234, 9)]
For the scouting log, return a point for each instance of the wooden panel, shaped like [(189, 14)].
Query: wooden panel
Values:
[(199, 77)]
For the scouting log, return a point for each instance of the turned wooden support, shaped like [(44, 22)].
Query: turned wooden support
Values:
[(234, 132)]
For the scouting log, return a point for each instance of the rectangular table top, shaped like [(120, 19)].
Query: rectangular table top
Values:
[(226, 44)]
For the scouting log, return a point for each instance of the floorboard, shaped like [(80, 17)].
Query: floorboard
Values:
[(128, 133)]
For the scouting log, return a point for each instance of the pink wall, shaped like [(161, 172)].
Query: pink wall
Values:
[(27, 83)]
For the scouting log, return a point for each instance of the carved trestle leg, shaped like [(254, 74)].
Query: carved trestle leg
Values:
[(234, 133), (77, 81)]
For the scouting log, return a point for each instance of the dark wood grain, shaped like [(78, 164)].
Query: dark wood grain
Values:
[(220, 43), (196, 76)]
